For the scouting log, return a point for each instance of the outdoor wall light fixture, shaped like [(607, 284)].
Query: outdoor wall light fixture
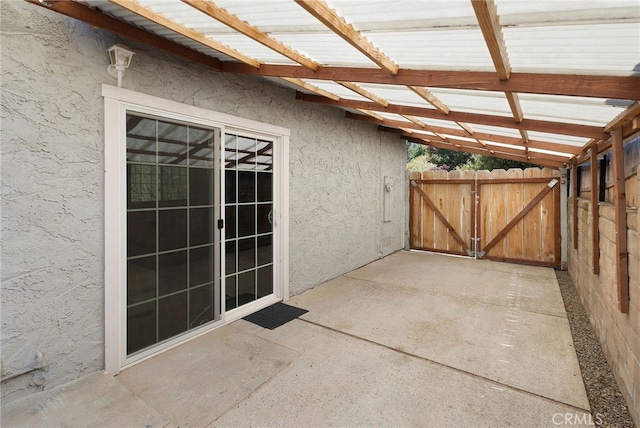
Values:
[(119, 60)]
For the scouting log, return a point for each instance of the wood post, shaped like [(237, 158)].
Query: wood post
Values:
[(575, 190), (595, 213), (620, 206)]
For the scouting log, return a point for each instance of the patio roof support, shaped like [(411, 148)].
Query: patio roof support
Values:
[(595, 214), (564, 224), (575, 190), (620, 206)]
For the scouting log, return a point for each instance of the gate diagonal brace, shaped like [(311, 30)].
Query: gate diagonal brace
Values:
[(519, 217), (442, 218)]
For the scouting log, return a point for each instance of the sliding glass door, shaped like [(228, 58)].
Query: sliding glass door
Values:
[(172, 239), (249, 220)]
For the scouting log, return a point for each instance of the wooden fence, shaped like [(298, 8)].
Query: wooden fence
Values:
[(509, 215)]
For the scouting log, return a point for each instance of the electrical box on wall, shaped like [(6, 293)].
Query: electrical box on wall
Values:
[(388, 189)]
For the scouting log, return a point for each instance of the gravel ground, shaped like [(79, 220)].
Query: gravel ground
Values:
[(608, 406)]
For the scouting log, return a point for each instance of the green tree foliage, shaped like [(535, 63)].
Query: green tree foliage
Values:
[(448, 159), (490, 163), (414, 150)]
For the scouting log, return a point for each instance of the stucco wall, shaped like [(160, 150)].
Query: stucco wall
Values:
[(53, 184), (619, 333)]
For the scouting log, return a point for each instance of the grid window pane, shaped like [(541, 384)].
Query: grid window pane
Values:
[(200, 305), (200, 186), (141, 233), (265, 281), (141, 279), (246, 254), (172, 229), (201, 227), (141, 326), (172, 186), (200, 266), (246, 186), (172, 272), (246, 287), (173, 319), (246, 220)]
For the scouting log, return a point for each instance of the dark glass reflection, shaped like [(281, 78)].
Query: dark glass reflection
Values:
[(230, 257), (172, 229), (265, 281), (200, 226), (200, 187), (231, 293), (264, 187), (200, 305), (200, 266), (246, 254), (265, 218), (246, 287), (246, 186), (141, 233), (230, 186), (172, 272), (141, 279), (141, 326), (230, 222), (246, 220), (141, 186), (174, 315), (265, 249)]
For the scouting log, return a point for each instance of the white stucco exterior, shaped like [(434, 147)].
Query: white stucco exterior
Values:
[(53, 192)]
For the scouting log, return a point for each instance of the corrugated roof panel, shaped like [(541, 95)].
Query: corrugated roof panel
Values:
[(338, 90), (485, 102), (438, 49), (581, 49), (325, 48), (396, 94), (495, 130), (552, 7), (558, 138), (584, 111)]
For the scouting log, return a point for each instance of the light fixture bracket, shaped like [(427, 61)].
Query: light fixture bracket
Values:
[(119, 61)]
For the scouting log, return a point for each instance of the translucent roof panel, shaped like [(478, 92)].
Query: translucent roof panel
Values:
[(474, 101), (338, 89), (397, 94), (612, 49), (583, 111), (558, 138)]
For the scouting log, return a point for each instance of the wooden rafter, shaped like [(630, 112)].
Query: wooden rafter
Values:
[(97, 19), (360, 90), (619, 87), (429, 97), (149, 14), (321, 11), (628, 114), (514, 105), (438, 130), (483, 151), (415, 120), (312, 88), (492, 148), (372, 114), (482, 119), (487, 15), (210, 9)]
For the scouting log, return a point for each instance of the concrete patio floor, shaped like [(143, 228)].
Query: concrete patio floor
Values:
[(414, 339)]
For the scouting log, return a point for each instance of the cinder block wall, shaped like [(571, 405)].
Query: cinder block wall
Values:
[(619, 333)]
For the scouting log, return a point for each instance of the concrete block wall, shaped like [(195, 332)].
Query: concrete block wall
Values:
[(52, 271), (619, 333)]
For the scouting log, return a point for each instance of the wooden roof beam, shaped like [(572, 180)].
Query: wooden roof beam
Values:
[(149, 14), (209, 8), (482, 119), (618, 87), (321, 11)]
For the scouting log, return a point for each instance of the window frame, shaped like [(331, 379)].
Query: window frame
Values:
[(119, 101)]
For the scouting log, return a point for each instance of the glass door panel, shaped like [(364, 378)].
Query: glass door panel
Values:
[(249, 220), (171, 233)]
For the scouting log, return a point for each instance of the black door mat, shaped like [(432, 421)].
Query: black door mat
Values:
[(275, 315)]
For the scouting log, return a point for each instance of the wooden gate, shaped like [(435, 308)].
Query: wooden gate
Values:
[(499, 215)]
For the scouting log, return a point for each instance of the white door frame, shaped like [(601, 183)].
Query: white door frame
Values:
[(117, 102)]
